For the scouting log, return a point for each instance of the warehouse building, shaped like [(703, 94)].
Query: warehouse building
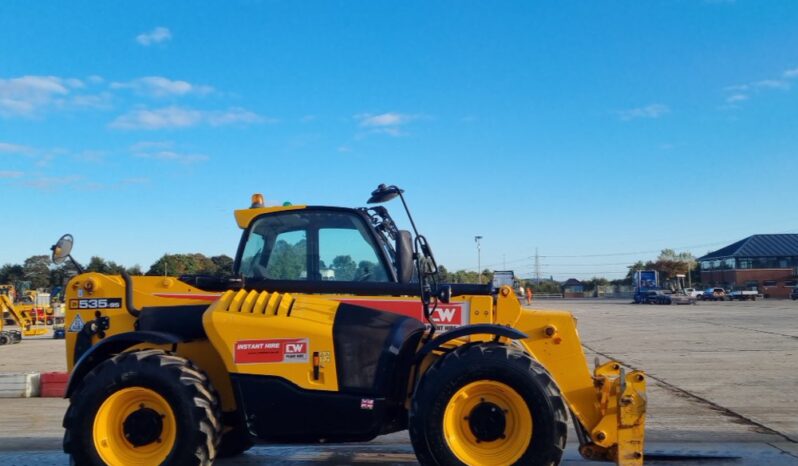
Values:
[(767, 262)]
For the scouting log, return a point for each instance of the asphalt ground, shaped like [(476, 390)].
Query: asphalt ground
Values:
[(722, 389)]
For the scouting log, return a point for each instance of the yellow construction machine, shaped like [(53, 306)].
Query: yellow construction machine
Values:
[(28, 326), (334, 328)]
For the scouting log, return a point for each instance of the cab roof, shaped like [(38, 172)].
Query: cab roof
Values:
[(245, 216)]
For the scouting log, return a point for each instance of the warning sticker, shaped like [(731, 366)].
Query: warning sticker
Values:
[(268, 351), (76, 325)]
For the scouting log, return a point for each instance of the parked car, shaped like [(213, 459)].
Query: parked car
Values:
[(714, 294), (744, 295), (641, 294), (794, 294), (682, 298), (657, 297), (693, 292)]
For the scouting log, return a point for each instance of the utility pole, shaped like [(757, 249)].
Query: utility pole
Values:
[(537, 267), (479, 258)]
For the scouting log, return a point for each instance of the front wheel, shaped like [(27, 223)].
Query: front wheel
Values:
[(143, 408), (487, 404)]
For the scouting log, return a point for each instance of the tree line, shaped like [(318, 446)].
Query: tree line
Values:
[(39, 272)]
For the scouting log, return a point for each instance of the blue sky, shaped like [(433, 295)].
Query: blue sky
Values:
[(603, 130)]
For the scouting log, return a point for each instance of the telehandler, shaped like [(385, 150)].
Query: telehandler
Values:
[(334, 328)]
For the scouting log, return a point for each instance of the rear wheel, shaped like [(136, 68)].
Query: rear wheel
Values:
[(4, 338), (142, 408), (487, 404)]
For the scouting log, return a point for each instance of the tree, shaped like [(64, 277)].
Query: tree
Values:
[(223, 264), (37, 271), (669, 263), (344, 267), (10, 273), (97, 264), (182, 264)]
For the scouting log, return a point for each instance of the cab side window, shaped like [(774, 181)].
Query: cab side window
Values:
[(308, 245), (346, 254), (288, 258)]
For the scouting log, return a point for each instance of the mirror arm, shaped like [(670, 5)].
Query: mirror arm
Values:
[(407, 209), (75, 263)]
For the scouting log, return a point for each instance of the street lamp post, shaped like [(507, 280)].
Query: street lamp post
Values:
[(479, 258)]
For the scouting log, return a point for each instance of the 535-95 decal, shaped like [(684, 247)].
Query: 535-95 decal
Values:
[(95, 303)]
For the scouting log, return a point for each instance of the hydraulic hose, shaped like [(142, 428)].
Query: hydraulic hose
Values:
[(131, 309)]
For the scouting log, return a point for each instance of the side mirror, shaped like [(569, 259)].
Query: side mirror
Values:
[(384, 194), (62, 249), (404, 256)]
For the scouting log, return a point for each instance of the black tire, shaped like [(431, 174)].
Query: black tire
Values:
[(4, 339), (490, 362), (235, 441), (185, 388)]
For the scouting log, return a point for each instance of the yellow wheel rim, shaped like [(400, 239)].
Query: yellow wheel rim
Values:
[(134, 426), (487, 422)]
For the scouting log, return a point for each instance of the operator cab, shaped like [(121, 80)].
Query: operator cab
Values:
[(314, 244), (336, 250)]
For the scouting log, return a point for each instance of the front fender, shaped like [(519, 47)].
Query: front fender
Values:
[(111, 346), (460, 332)]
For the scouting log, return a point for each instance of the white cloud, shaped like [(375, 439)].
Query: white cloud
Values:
[(649, 111), (9, 148), (389, 123), (163, 150), (158, 86), (143, 146), (182, 117), (384, 119), (772, 84), (26, 95), (736, 98), (51, 182), (101, 101), (167, 117), (10, 174), (29, 96), (156, 36), (740, 92), (233, 115), (173, 156)]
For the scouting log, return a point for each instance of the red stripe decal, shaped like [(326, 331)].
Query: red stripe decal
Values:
[(197, 297)]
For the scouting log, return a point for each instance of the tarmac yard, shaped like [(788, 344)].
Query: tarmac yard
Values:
[(722, 389)]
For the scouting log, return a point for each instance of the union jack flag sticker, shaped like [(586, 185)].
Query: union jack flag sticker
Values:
[(367, 403)]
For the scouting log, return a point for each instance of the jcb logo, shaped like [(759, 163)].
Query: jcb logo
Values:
[(294, 348)]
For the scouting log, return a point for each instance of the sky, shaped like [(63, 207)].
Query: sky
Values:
[(595, 133)]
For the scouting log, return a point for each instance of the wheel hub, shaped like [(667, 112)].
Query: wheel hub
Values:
[(487, 422), (143, 426)]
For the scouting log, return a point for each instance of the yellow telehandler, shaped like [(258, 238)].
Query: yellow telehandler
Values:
[(334, 328)]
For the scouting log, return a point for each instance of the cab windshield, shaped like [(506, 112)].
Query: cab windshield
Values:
[(304, 245)]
